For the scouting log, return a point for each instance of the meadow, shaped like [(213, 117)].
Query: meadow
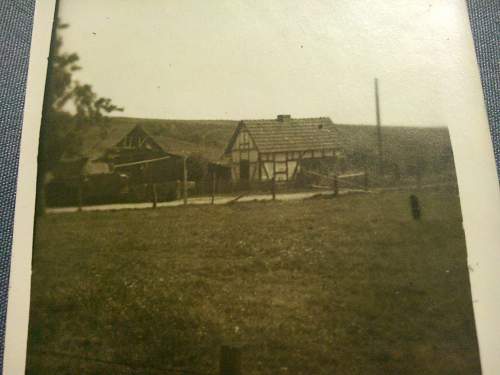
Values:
[(350, 285)]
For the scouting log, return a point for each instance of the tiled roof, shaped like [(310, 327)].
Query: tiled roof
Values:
[(292, 134)]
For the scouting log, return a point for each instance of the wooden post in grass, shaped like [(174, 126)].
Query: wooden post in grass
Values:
[(80, 193), (213, 187), (335, 185), (230, 360), (155, 195), (415, 207), (184, 180), (273, 187)]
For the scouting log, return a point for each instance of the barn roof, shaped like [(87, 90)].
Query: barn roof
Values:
[(175, 146), (96, 140), (289, 134)]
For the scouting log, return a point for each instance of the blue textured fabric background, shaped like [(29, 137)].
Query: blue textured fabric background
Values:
[(16, 20), (484, 17)]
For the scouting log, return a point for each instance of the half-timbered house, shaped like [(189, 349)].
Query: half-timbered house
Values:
[(261, 150)]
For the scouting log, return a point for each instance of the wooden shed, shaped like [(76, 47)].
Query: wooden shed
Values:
[(261, 150), (122, 160)]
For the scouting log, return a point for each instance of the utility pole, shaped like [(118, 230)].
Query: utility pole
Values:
[(379, 132)]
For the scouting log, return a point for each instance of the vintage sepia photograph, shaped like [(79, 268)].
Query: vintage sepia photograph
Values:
[(244, 188)]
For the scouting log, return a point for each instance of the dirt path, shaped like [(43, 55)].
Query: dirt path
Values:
[(195, 200), (224, 199)]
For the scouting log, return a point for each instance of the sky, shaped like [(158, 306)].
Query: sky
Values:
[(233, 59)]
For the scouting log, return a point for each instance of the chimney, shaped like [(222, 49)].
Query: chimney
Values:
[(283, 118)]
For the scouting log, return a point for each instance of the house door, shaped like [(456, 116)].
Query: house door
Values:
[(244, 170)]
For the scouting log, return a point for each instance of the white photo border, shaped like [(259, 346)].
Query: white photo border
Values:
[(474, 162), (16, 332)]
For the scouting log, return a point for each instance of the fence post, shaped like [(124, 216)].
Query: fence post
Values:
[(335, 185), (155, 195), (213, 187), (415, 207), (273, 188), (80, 193), (230, 360), (185, 177)]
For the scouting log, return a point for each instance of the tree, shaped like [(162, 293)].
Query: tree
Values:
[(61, 90)]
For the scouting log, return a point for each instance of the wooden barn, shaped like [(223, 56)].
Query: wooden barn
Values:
[(125, 159), (261, 150)]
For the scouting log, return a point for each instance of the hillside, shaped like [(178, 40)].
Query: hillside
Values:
[(208, 133), (403, 146)]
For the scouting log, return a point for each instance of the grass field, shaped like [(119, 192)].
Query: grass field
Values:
[(350, 285)]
